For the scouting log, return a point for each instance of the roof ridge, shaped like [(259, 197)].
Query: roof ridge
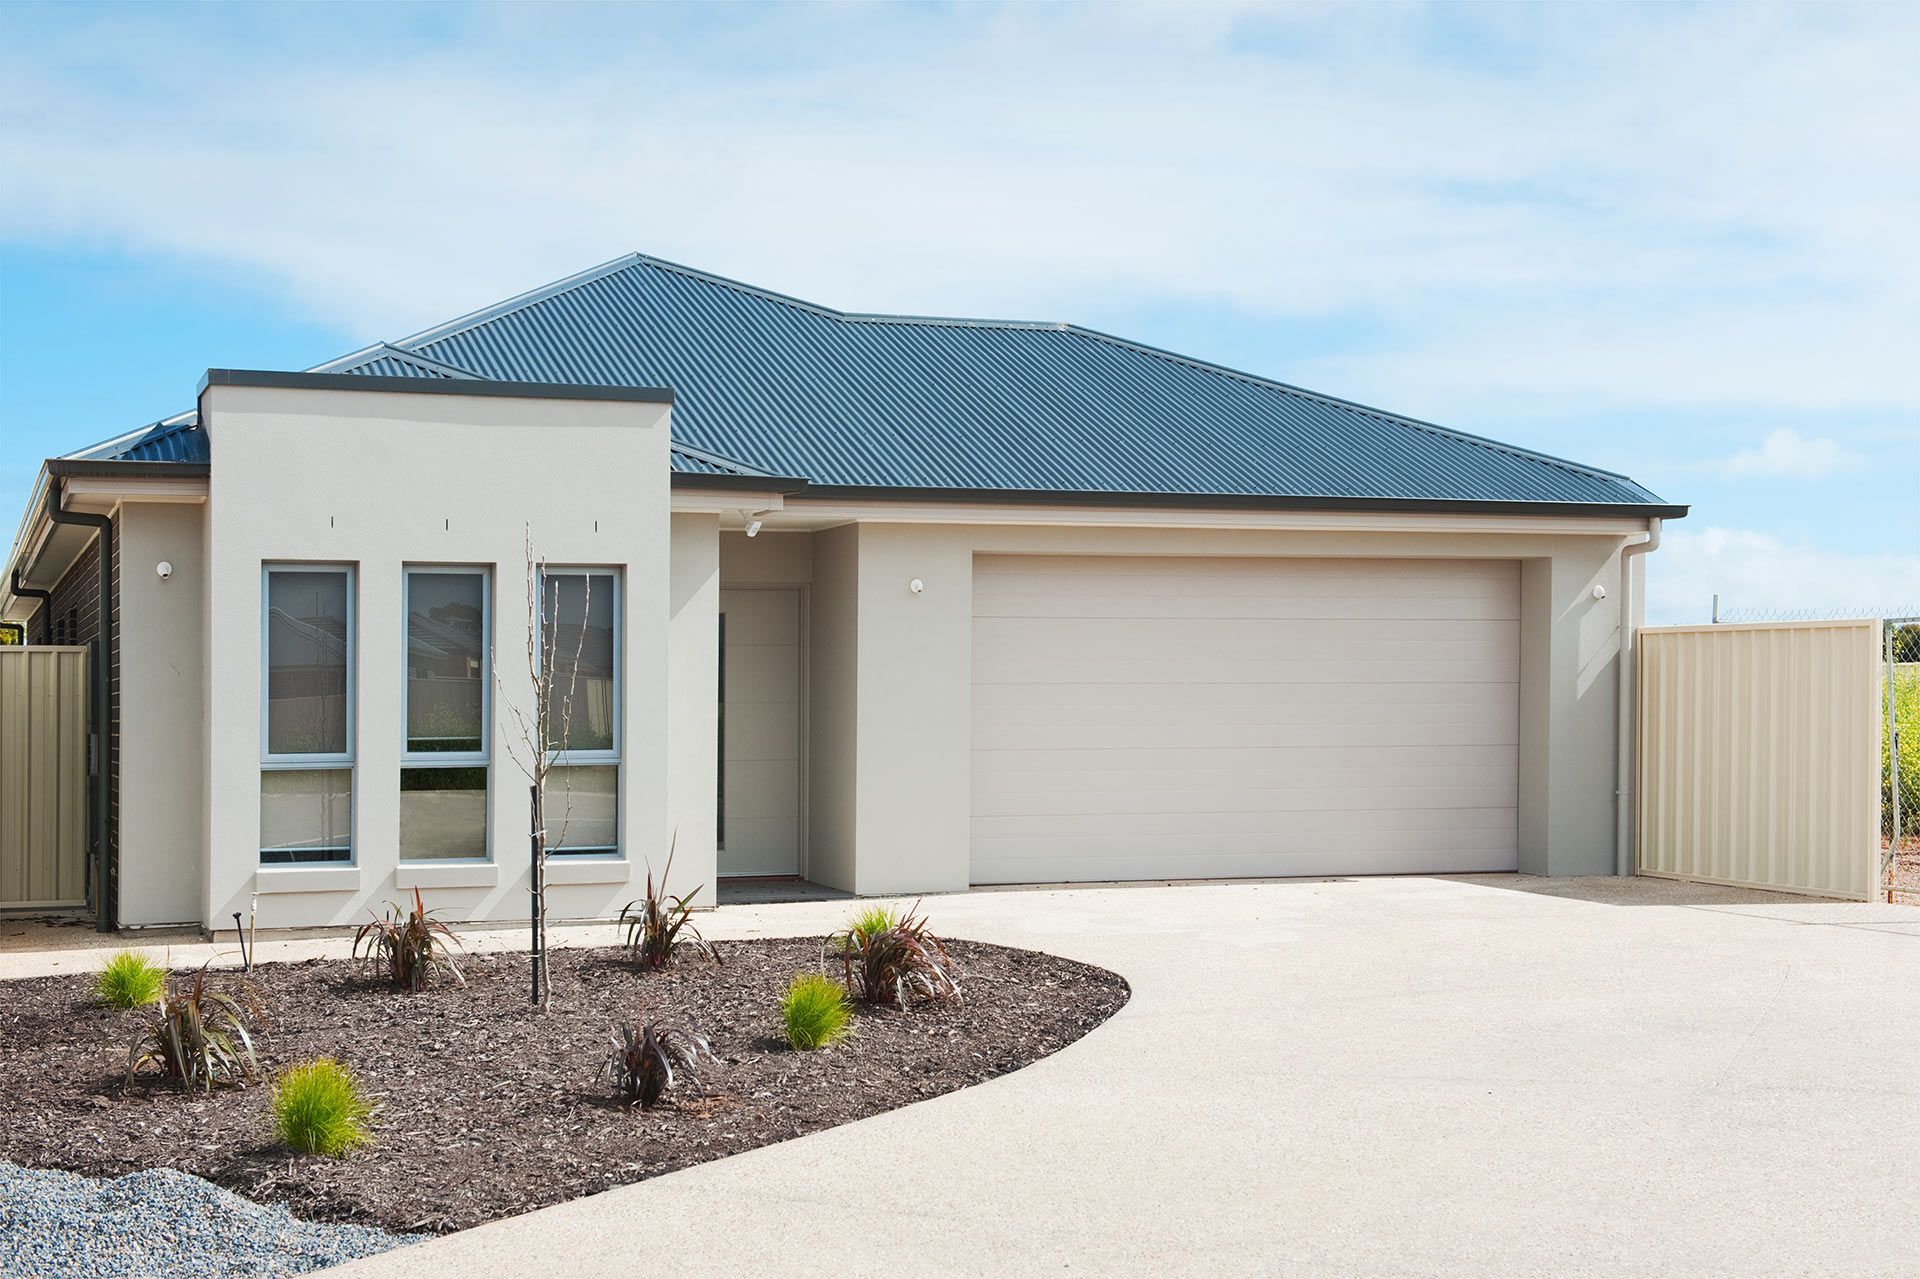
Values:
[(175, 423), (718, 459), (514, 303), (932, 321)]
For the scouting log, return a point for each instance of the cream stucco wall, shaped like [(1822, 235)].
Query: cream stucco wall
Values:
[(384, 479), (163, 744), (891, 767)]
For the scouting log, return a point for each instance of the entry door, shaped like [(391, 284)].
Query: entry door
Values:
[(1205, 718), (760, 732)]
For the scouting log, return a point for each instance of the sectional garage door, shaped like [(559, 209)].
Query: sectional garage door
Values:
[(1141, 718)]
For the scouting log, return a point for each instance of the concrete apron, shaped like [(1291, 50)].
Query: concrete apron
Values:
[(1488, 1075)]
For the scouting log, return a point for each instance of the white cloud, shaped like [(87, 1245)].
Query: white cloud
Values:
[(1757, 574), (1787, 454), (1595, 205)]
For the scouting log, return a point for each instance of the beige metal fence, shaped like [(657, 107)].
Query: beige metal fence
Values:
[(1760, 755), (43, 777)]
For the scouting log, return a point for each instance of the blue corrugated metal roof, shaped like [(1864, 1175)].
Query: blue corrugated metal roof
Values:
[(875, 401)]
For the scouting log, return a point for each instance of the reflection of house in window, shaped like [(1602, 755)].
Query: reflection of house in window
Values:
[(306, 683), (445, 661)]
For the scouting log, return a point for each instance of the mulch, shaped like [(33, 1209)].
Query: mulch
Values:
[(488, 1108)]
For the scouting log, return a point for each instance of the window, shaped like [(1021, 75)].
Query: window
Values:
[(306, 730), (444, 758), (580, 643)]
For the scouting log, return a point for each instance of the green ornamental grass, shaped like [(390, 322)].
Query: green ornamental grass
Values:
[(318, 1109), (130, 980), (816, 1011)]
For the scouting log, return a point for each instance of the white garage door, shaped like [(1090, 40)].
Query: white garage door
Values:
[(1143, 718)]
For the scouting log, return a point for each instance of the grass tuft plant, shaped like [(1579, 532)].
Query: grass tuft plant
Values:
[(407, 947), (816, 1011), (130, 980), (198, 1038), (318, 1109), (890, 958), (649, 1058), (660, 923)]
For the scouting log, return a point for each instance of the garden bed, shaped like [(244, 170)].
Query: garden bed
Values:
[(488, 1108)]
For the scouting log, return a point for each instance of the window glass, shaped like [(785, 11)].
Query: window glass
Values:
[(582, 809), (308, 648), (578, 642), (443, 813), (446, 662), (306, 815)]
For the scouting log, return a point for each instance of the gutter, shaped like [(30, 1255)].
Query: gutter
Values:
[(1240, 501), (105, 874), (1626, 717)]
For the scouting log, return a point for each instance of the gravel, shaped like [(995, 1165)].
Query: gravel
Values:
[(160, 1223)]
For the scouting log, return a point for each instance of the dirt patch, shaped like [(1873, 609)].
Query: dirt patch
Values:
[(489, 1109)]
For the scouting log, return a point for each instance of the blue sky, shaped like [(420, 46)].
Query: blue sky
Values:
[(1675, 241)]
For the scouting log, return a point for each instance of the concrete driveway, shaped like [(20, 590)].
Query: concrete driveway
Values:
[(1496, 1076)]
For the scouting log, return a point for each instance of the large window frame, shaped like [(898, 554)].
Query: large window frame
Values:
[(313, 761), (482, 758), (609, 757)]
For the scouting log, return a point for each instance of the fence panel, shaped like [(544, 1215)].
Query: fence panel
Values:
[(1760, 755), (43, 777)]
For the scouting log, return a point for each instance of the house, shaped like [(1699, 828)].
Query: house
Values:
[(897, 604)]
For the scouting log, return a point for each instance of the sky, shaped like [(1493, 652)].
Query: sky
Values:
[(1675, 241)]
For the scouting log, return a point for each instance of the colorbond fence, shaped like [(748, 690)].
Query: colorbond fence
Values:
[(1760, 755), (43, 777)]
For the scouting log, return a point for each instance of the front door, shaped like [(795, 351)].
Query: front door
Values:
[(760, 721)]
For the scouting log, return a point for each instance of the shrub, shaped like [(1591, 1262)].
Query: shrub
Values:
[(199, 1038), (130, 980), (407, 947), (645, 1057), (655, 924), (889, 965), (318, 1109), (816, 1012)]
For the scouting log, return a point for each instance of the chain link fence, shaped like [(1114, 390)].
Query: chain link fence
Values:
[(1900, 762)]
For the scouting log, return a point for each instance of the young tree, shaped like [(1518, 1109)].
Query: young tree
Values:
[(543, 733)]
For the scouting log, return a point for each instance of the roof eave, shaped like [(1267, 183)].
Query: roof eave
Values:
[(1247, 502)]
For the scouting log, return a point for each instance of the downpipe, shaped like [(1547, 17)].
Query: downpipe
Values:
[(25, 592), (1626, 719)]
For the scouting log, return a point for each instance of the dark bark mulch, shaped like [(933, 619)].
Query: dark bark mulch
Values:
[(489, 1109)]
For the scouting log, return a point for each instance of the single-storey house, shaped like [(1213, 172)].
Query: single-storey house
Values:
[(892, 603)]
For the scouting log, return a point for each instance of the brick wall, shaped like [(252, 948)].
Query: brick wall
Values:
[(72, 616)]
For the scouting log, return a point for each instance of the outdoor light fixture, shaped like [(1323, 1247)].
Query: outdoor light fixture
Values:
[(753, 527)]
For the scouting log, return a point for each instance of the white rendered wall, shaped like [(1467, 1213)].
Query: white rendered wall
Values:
[(896, 752), (384, 479), (163, 745)]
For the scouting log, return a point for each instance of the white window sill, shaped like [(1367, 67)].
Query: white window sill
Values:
[(306, 879), (446, 875), (563, 869)]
